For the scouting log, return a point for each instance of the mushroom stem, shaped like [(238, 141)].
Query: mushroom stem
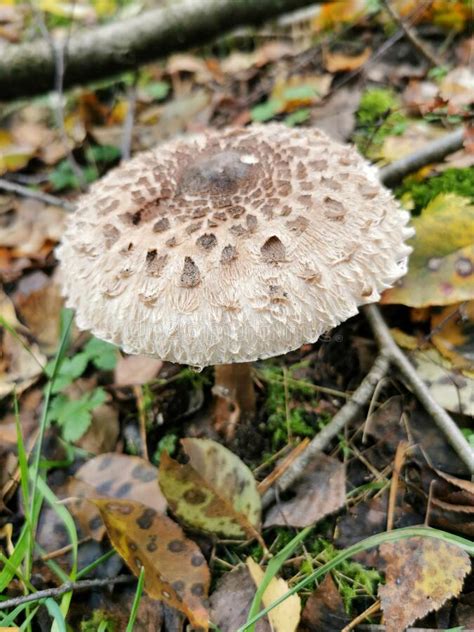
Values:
[(235, 396)]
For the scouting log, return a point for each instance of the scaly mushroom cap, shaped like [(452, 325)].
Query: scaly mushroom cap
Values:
[(232, 245)]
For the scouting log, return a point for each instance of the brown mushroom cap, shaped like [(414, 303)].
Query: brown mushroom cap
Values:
[(232, 245)]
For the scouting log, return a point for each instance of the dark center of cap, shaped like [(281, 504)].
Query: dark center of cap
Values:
[(217, 174)]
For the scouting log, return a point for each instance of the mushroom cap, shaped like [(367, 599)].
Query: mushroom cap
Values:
[(229, 246)]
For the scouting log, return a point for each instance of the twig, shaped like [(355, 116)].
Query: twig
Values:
[(19, 189), (420, 46), (435, 151), (85, 584), (127, 134), (346, 414), (103, 51), (375, 607), (444, 422), (399, 460)]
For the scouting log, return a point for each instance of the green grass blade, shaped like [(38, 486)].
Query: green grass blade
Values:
[(59, 624), (273, 567), (136, 601), (363, 545)]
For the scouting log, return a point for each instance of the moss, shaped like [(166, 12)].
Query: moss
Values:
[(378, 116), (419, 194), (288, 408), (353, 580), (99, 620)]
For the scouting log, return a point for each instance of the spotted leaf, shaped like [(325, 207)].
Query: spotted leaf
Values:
[(175, 569), (421, 574), (215, 491), (441, 267)]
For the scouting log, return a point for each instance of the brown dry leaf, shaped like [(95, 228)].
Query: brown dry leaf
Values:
[(339, 62), (7, 312), (136, 370), (319, 492), (457, 87), (451, 334), (324, 609), (336, 116), (421, 574), (231, 601), (123, 476), (175, 569), (30, 226), (286, 616), (300, 90), (39, 303), (104, 430), (20, 363), (215, 491), (13, 155)]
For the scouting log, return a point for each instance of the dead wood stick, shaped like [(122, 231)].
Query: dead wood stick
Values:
[(444, 421), (412, 37), (84, 584), (345, 415), (19, 189), (435, 151), (29, 69)]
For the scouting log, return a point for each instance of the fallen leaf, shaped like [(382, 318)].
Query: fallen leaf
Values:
[(122, 476), (231, 601), (415, 136), (334, 15), (175, 569), (318, 493), (300, 90), (457, 87), (104, 430), (39, 303), (324, 609), (136, 370), (13, 156), (214, 492), (336, 116), (286, 616), (441, 267), (451, 334), (450, 388), (28, 224), (421, 574), (339, 62), (20, 363)]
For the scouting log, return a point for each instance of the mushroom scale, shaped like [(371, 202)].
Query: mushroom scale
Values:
[(229, 246)]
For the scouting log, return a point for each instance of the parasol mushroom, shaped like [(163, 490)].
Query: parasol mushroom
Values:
[(229, 246)]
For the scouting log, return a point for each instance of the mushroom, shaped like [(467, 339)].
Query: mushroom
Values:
[(229, 246)]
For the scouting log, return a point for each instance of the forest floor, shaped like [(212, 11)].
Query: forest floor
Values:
[(84, 424)]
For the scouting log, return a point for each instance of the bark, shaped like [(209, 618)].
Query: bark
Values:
[(29, 69)]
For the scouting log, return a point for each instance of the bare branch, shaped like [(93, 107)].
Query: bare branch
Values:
[(19, 189), (444, 422), (432, 152), (85, 584), (103, 51)]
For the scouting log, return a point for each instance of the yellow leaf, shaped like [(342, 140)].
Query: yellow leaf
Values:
[(175, 569), (336, 14), (215, 491), (421, 574), (441, 267), (451, 330), (338, 62), (286, 616)]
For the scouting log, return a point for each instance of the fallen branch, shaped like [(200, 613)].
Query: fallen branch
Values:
[(85, 584), (444, 422), (346, 414), (412, 37), (432, 152), (19, 189), (100, 52)]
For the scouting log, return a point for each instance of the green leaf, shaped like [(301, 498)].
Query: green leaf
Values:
[(266, 111), (158, 90), (69, 370), (102, 354), (74, 416), (297, 117)]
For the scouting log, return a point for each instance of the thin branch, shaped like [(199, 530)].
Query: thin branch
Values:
[(127, 134), (432, 152), (346, 414), (85, 584), (103, 51), (411, 36), (444, 422), (19, 189)]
